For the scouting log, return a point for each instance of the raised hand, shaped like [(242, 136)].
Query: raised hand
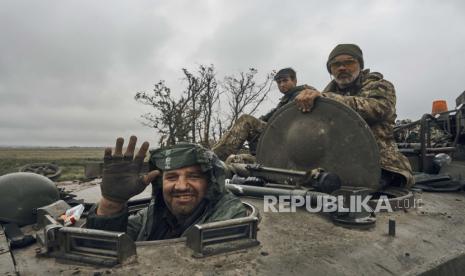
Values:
[(121, 173)]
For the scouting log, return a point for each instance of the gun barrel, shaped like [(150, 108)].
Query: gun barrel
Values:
[(276, 170), (255, 191)]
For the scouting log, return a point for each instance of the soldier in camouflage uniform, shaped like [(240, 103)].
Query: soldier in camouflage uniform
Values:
[(404, 135), (409, 133), (373, 98), (190, 190), (248, 128)]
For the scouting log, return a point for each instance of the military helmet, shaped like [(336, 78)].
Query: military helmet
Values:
[(21, 193)]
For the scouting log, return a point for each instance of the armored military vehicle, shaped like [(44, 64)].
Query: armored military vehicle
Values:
[(423, 235)]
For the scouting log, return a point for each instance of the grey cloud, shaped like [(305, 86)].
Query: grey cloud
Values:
[(69, 69), (71, 52)]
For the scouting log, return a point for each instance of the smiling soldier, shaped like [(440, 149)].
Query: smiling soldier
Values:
[(373, 98), (188, 188)]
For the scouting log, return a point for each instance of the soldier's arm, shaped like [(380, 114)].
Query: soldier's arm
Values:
[(119, 222), (376, 103), (116, 222)]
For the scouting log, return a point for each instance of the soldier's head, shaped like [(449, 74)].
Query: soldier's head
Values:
[(345, 63), (286, 79), (186, 177), (184, 189)]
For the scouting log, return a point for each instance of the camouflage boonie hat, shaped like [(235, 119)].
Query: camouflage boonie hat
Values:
[(181, 155)]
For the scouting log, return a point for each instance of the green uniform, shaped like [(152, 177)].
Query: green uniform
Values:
[(374, 99), (248, 128), (156, 222)]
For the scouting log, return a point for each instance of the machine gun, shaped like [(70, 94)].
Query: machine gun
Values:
[(258, 175), (255, 180)]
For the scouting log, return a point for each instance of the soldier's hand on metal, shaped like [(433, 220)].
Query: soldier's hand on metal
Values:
[(121, 173), (306, 99)]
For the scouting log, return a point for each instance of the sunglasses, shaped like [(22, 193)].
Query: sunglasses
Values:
[(345, 63)]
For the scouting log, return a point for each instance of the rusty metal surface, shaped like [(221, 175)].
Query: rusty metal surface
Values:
[(302, 243), (332, 137)]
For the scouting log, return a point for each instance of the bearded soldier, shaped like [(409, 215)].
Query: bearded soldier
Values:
[(373, 98), (188, 188)]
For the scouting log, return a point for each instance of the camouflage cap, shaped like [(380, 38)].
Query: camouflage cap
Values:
[(179, 156), (346, 49)]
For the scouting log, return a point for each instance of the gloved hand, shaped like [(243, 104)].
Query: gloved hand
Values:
[(121, 173)]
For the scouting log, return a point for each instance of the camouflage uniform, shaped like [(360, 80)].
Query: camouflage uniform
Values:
[(404, 135), (248, 128), (374, 99), (438, 136)]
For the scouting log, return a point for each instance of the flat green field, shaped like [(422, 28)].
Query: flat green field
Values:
[(71, 160)]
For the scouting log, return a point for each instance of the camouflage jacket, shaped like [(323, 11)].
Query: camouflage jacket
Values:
[(155, 222), (410, 133), (374, 99)]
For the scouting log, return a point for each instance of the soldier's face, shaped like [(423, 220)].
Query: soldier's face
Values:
[(184, 189), (345, 70), (285, 84)]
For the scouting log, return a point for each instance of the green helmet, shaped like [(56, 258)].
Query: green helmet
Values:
[(21, 193)]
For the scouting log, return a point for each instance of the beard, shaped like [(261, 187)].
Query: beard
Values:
[(182, 203), (183, 210), (345, 79)]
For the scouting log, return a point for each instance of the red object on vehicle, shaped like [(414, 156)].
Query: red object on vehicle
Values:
[(439, 106)]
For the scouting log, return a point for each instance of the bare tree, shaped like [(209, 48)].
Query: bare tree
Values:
[(244, 94), (194, 116), (171, 121), (202, 90), (209, 98), (194, 88), (188, 118)]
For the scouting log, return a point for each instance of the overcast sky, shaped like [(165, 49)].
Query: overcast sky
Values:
[(69, 69)]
